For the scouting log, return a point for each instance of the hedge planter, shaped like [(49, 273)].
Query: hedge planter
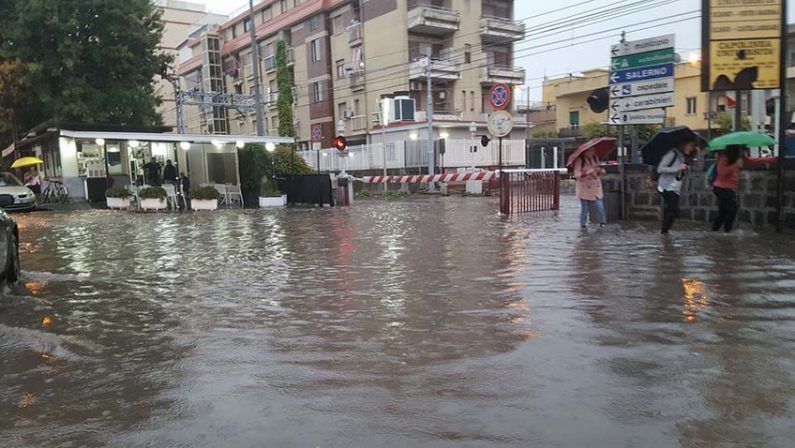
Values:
[(204, 204), (275, 201), (118, 203), (153, 204)]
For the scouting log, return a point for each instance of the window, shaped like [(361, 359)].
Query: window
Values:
[(315, 50), (341, 109), (691, 105), (471, 100), (340, 68), (246, 25), (234, 31), (574, 118), (467, 54), (317, 92), (269, 49), (283, 6), (463, 100), (275, 123), (336, 23), (356, 107), (314, 22), (267, 14)]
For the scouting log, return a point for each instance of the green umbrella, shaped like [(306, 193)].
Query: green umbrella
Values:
[(747, 139)]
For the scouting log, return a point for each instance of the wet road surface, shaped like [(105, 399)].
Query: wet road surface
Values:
[(429, 322)]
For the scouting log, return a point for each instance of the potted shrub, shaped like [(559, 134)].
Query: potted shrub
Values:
[(153, 198), (204, 198), (118, 197), (270, 196)]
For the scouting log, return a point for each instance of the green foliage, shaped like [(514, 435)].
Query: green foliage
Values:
[(117, 192), (647, 131), (544, 134), (287, 162), (725, 122), (394, 194), (596, 130), (152, 193), (205, 193), (363, 194), (269, 189), (255, 163), (284, 104), (91, 61)]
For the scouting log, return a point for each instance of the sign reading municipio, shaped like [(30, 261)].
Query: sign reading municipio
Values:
[(741, 44)]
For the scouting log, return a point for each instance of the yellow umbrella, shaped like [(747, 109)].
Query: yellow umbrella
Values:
[(27, 161)]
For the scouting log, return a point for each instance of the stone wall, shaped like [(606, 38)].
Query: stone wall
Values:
[(757, 196)]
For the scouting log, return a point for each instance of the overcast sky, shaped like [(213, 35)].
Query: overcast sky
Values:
[(568, 36)]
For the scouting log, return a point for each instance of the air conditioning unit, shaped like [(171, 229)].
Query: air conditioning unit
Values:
[(348, 114), (347, 69)]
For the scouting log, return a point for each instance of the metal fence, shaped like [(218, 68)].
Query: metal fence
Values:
[(525, 191), (412, 156)]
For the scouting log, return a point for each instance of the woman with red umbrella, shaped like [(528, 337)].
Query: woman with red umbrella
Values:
[(585, 165)]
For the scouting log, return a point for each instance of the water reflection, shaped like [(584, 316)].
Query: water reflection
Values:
[(430, 322)]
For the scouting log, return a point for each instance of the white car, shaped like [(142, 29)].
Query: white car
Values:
[(14, 195)]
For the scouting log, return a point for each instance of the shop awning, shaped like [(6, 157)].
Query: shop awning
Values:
[(191, 138)]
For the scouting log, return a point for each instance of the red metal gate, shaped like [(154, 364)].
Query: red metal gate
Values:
[(524, 191)]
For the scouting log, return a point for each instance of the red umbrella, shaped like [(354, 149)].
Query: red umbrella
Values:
[(602, 146)]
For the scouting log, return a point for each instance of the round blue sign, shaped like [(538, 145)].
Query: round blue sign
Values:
[(500, 96)]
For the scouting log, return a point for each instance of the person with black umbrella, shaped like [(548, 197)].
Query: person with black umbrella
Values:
[(671, 170)]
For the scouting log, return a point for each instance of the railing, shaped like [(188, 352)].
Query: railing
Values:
[(502, 25), (441, 18), (357, 82), (354, 32), (358, 123), (412, 155)]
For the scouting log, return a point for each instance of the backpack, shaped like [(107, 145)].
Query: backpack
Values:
[(712, 174), (655, 175)]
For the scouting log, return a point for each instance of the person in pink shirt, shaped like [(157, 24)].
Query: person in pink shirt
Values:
[(589, 187), (727, 179)]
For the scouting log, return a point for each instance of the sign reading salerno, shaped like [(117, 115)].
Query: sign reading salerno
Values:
[(742, 44)]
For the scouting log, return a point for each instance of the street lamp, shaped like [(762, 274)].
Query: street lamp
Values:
[(184, 145), (270, 147)]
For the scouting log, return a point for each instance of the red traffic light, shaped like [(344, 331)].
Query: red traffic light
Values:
[(340, 143)]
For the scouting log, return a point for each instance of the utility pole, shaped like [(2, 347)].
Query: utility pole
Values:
[(255, 65), (383, 119), (429, 114), (738, 112)]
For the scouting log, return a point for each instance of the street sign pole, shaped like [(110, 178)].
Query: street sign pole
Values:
[(782, 132), (622, 172)]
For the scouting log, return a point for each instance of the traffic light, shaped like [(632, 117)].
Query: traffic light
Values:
[(340, 143), (484, 140), (598, 100)]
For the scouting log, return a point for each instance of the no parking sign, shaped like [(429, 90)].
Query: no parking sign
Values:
[(500, 96)]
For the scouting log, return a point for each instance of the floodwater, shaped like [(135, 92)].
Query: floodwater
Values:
[(422, 323)]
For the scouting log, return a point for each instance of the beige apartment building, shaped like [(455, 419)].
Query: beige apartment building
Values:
[(179, 19), (353, 59)]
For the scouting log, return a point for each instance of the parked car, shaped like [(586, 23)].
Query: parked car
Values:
[(9, 248), (14, 195)]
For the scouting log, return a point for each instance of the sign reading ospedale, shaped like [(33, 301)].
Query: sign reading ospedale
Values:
[(742, 44)]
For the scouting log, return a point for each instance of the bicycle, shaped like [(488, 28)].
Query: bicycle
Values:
[(55, 193)]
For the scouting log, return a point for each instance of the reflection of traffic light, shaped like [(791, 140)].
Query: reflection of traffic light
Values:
[(598, 100), (484, 141), (340, 143)]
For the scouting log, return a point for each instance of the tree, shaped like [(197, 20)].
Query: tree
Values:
[(284, 104), (724, 121), (94, 60), (596, 130), (544, 134), (14, 82)]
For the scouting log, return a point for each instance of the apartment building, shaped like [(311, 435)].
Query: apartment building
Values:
[(179, 19), (352, 61)]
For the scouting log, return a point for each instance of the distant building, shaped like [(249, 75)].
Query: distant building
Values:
[(344, 55), (179, 19)]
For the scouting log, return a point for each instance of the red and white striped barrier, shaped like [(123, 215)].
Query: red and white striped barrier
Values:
[(446, 178)]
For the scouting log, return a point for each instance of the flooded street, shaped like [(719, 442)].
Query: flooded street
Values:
[(428, 322)]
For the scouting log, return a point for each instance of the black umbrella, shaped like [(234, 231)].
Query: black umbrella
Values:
[(665, 140)]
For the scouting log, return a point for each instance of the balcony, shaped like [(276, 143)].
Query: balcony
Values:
[(441, 69), (508, 75), (356, 82), (358, 123), (501, 30), (354, 34), (433, 20)]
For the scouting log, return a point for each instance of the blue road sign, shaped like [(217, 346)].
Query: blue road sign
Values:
[(642, 74), (317, 133)]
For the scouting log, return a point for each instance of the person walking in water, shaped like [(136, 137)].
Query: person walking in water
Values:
[(170, 173), (727, 179), (589, 187), (672, 169), (153, 173)]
